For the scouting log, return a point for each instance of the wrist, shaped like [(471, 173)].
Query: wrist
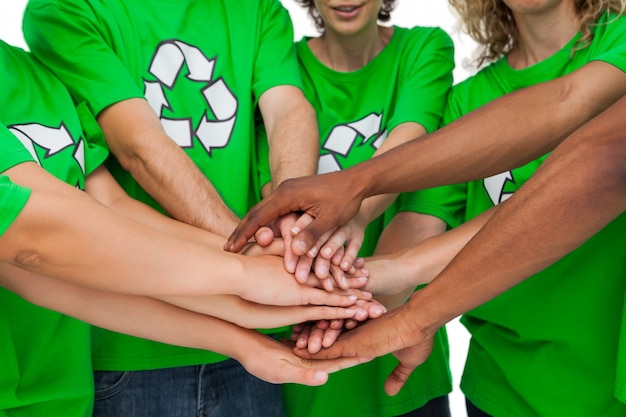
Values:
[(425, 313)]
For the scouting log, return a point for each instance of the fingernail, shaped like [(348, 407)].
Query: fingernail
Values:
[(328, 251), (295, 230), (378, 310), (320, 376), (312, 252), (302, 276), (345, 266), (291, 267)]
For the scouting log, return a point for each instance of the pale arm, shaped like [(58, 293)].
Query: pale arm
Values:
[(405, 230), (556, 108), (63, 233), (152, 319), (136, 137)]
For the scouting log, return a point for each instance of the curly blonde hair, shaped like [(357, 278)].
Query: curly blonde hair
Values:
[(490, 23)]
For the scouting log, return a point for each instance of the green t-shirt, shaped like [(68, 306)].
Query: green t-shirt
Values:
[(12, 197), (406, 82), (202, 65), (549, 345), (45, 358)]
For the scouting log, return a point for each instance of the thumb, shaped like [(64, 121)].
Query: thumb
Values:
[(264, 236), (310, 377), (304, 239), (397, 379)]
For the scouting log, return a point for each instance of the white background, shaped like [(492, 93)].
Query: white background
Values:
[(407, 13)]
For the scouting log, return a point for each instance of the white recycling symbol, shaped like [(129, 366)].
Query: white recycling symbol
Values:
[(166, 66), (494, 186), (342, 138), (53, 140)]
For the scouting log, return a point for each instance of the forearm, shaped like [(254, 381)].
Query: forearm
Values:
[(374, 206), (501, 135), (292, 133), (76, 239), (585, 178), (136, 137), (102, 186), (134, 315)]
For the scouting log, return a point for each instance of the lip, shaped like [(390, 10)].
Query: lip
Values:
[(347, 11)]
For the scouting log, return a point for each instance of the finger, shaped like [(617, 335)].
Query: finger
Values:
[(334, 244), (296, 330), (350, 324), (303, 269), (336, 298), (264, 236), (335, 324), (330, 337), (322, 314), (302, 340), (397, 379), (337, 350), (356, 283), (323, 324), (372, 308), (322, 268), (351, 252), (315, 339), (357, 265), (338, 275), (284, 226), (259, 216), (306, 238)]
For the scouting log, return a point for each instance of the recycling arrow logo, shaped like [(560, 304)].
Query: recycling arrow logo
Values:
[(495, 184), (53, 140), (167, 65), (342, 138)]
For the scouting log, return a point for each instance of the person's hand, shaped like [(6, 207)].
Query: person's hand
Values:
[(352, 276), (323, 333), (395, 332), (336, 248), (252, 315), (328, 198), (276, 363), (280, 227), (343, 246), (267, 282)]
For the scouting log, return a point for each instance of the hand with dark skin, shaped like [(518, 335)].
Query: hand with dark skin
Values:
[(584, 178), (557, 108)]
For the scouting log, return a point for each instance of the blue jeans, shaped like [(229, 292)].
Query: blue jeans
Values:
[(473, 411), (437, 407), (223, 389)]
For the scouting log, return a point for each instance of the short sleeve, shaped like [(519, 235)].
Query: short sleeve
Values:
[(428, 57), (66, 37), (13, 198), (275, 61)]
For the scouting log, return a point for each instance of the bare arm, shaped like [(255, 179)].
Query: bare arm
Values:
[(585, 177), (152, 319), (65, 234), (556, 108), (135, 135), (292, 133)]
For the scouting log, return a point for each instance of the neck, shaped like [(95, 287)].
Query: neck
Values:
[(542, 34), (347, 53)]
